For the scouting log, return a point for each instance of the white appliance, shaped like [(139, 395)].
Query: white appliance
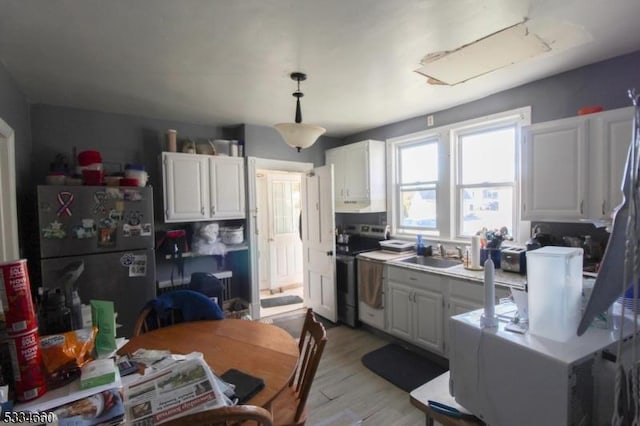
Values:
[(507, 379), (397, 245)]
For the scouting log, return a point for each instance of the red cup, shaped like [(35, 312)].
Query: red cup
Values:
[(92, 177), (89, 157)]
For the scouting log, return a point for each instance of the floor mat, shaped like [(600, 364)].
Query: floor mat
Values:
[(402, 367), (292, 324), (280, 301)]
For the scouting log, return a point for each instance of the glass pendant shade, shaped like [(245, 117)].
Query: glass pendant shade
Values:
[(299, 135)]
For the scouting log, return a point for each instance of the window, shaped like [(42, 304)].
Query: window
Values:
[(417, 184), (452, 181), (486, 180)]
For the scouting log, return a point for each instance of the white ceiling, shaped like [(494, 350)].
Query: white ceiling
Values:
[(224, 62)]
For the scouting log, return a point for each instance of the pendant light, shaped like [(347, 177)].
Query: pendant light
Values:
[(298, 135)]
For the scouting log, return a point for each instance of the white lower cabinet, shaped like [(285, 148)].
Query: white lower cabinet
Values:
[(419, 305), (415, 308)]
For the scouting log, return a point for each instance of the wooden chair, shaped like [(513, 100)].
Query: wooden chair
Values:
[(289, 408), (174, 307), (224, 416)]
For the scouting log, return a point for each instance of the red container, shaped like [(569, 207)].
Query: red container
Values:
[(129, 182), (26, 362), (89, 157), (92, 177), (15, 293)]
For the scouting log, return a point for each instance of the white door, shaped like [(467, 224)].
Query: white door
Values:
[(262, 231), (318, 242), (8, 210), (285, 245)]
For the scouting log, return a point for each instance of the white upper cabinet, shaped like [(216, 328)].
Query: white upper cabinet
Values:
[(572, 168), (554, 170), (202, 187), (359, 176), (614, 129), (226, 187), (186, 187)]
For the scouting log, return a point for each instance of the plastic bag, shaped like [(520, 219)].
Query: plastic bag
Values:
[(68, 350)]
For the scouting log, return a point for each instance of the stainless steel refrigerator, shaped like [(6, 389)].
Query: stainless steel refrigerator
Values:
[(99, 241)]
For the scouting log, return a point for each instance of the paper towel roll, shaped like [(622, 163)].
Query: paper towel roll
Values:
[(474, 261), (488, 319)]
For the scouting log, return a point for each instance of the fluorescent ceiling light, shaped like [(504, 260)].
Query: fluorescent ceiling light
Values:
[(505, 47)]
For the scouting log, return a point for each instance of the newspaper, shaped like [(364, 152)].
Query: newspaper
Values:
[(183, 388)]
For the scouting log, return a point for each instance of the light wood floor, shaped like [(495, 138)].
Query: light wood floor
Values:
[(345, 392)]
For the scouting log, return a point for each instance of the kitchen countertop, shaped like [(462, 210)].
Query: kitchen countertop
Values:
[(505, 279)]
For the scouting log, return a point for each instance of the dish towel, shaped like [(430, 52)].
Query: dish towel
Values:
[(370, 283)]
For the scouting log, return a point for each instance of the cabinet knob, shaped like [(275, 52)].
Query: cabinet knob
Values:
[(202, 211), (213, 210)]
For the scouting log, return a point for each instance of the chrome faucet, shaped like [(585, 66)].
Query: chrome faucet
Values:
[(459, 249), (442, 251)]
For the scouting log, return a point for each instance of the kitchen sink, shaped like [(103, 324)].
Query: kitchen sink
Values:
[(433, 262)]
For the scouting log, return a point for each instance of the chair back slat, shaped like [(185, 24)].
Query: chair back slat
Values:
[(311, 345), (225, 416)]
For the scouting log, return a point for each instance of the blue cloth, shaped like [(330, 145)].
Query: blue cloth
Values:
[(193, 306)]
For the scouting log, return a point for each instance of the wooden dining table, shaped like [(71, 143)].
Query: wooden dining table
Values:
[(261, 350)]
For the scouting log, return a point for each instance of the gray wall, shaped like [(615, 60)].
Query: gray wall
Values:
[(14, 110), (604, 83)]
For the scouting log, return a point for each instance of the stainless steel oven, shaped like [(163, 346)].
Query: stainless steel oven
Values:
[(362, 238), (347, 287)]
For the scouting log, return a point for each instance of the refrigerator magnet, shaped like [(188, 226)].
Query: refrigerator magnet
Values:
[(65, 200), (100, 198), (115, 215), (54, 230), (131, 230), (139, 266), (132, 195), (127, 259), (86, 230), (146, 230), (106, 233), (134, 217)]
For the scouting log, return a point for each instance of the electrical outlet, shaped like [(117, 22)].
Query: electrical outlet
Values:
[(429, 120)]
